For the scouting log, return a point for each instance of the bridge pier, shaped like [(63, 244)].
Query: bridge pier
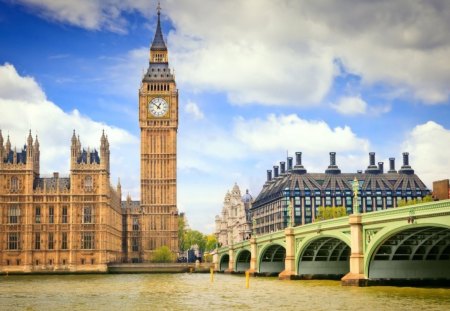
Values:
[(356, 275), (231, 261), (254, 256), (289, 263)]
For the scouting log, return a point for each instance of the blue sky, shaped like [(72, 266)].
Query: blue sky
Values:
[(256, 79)]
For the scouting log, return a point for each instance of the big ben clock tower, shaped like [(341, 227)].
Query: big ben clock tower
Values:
[(158, 121)]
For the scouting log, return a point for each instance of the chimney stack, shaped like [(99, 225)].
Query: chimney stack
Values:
[(381, 167), (283, 167), (275, 171), (269, 175), (372, 168), (392, 165), (332, 168), (298, 168), (406, 168), (405, 159), (289, 161)]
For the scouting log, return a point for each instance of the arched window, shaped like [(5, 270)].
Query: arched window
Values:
[(14, 183), (88, 184)]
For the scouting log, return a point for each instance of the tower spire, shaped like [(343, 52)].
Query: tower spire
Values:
[(158, 43)]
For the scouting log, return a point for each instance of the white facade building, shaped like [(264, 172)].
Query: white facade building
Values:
[(234, 224)]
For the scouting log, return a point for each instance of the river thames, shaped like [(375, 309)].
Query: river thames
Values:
[(197, 292)]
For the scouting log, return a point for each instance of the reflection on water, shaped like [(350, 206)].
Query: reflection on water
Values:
[(196, 292)]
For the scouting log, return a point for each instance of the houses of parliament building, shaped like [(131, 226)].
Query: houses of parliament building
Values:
[(79, 223)]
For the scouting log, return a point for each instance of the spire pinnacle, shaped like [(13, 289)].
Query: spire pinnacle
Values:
[(158, 43)]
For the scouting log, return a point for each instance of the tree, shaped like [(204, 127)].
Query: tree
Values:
[(210, 242), (194, 237), (163, 254), (329, 212), (181, 232)]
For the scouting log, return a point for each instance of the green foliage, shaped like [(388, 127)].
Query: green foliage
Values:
[(403, 202), (163, 254), (330, 212), (181, 232), (210, 242), (194, 237)]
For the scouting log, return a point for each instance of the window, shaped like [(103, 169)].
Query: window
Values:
[(14, 183), (64, 240), (13, 240), (64, 215), (327, 201), (338, 201), (388, 201), (134, 244), (87, 215), (88, 184), (13, 214), (37, 215), (379, 202), (37, 240), (50, 240), (87, 240), (135, 223), (318, 201), (51, 215)]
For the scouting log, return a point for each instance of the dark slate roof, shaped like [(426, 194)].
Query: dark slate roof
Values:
[(132, 204), (21, 156), (93, 156), (158, 43), (158, 72), (51, 183), (303, 182)]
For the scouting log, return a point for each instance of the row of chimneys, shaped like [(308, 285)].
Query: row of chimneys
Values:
[(332, 168)]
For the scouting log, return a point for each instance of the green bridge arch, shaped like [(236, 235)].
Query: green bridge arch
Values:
[(276, 252)]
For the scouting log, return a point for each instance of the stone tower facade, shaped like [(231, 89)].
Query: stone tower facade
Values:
[(158, 121), (234, 225), (58, 224)]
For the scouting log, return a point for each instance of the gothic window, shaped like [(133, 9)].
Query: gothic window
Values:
[(87, 240), (88, 184), (37, 240), (134, 244), (13, 240), (135, 223), (64, 240), (13, 214), (64, 215), (87, 215), (37, 215), (50, 240), (51, 215), (14, 183)]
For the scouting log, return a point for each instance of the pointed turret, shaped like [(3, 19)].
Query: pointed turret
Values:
[(74, 148), (8, 146), (2, 152), (36, 155), (104, 151), (158, 43), (158, 49), (15, 156), (29, 146)]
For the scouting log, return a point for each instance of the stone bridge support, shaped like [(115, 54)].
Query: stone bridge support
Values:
[(356, 275), (254, 256), (231, 262), (289, 262)]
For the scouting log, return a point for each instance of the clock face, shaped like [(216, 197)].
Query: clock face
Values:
[(158, 107)]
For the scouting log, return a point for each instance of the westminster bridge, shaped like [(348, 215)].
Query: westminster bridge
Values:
[(405, 243)]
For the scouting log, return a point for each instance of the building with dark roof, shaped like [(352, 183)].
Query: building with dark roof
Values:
[(58, 224), (306, 192)]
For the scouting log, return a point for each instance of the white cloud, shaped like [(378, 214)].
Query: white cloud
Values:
[(278, 53), (289, 131), (428, 145), (355, 105), (193, 110), (350, 106), (24, 106)]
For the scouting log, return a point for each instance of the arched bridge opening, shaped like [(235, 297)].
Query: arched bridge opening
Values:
[(415, 253), (243, 261), (325, 257), (272, 260), (224, 261)]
